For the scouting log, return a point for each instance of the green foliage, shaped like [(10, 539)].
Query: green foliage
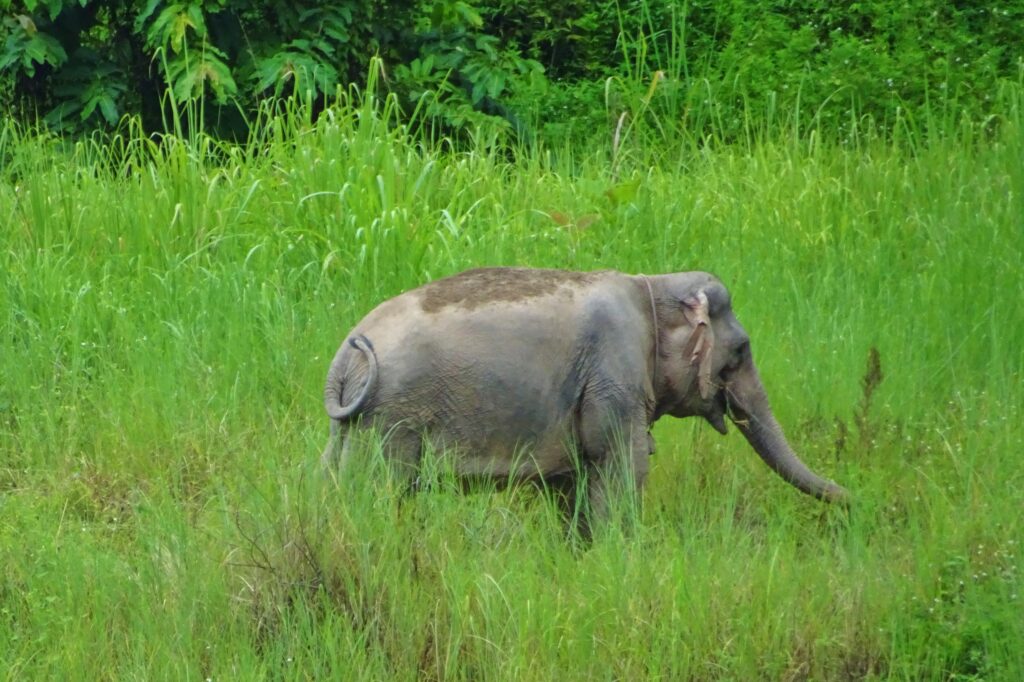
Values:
[(326, 45), (459, 64), (87, 85), (828, 65), (237, 52), (191, 62), (460, 75), (730, 70), (572, 40), (26, 46)]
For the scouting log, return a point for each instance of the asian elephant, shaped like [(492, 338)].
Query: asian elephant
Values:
[(520, 373)]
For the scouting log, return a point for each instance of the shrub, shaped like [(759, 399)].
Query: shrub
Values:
[(717, 67)]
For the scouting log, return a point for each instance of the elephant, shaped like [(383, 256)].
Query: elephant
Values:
[(520, 373)]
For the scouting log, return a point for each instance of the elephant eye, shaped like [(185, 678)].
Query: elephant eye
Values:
[(738, 356)]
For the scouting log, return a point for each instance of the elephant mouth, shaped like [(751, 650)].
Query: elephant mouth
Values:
[(718, 409)]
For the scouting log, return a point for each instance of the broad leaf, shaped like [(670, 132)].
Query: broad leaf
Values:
[(145, 14), (192, 72)]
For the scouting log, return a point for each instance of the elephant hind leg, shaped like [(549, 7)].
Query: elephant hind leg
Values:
[(402, 451), (336, 448), (354, 450)]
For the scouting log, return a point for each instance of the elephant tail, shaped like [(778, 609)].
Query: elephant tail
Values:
[(336, 382)]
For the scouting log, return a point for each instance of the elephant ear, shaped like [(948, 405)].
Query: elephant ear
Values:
[(698, 349)]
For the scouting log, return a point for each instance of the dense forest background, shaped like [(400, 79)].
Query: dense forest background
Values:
[(549, 71)]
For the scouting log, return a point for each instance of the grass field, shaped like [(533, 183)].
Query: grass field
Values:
[(168, 310)]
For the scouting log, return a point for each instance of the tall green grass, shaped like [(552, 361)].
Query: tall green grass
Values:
[(168, 308)]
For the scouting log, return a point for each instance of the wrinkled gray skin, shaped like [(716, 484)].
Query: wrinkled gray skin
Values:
[(526, 373)]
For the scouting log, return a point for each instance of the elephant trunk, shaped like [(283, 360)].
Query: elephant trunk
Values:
[(750, 411)]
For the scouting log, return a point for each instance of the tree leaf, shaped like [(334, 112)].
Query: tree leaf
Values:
[(496, 84), (26, 23), (90, 106), (197, 20), (53, 8), (145, 14), (109, 109), (179, 30), (62, 113), (159, 33)]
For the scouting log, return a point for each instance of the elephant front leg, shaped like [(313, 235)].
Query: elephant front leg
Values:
[(616, 450)]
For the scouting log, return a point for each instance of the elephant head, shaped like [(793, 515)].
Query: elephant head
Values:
[(705, 368)]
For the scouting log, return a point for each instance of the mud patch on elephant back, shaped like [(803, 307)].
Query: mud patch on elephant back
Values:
[(474, 288)]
